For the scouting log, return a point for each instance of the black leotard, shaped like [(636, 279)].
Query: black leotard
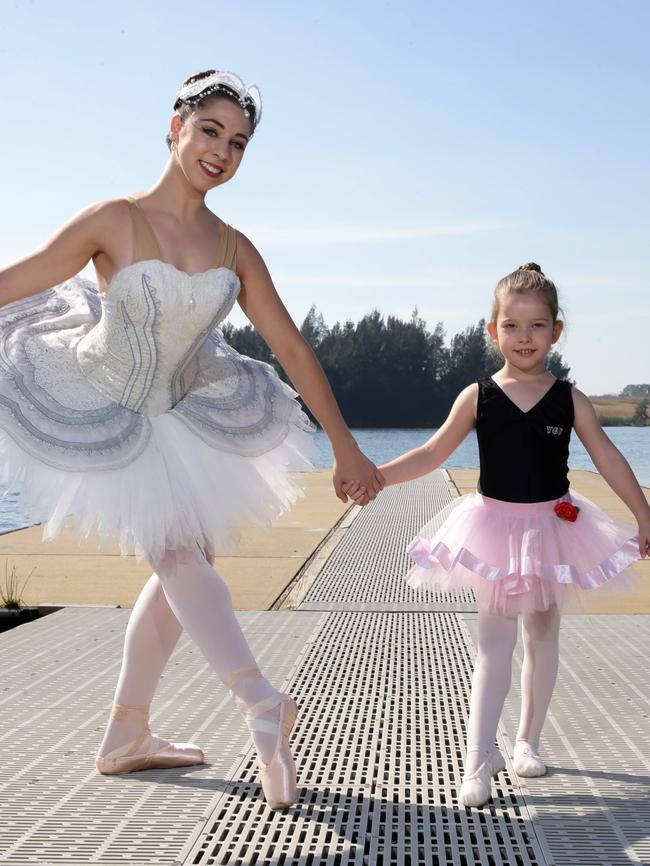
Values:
[(524, 454)]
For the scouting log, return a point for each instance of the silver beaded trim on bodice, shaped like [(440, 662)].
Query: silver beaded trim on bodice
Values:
[(142, 353)]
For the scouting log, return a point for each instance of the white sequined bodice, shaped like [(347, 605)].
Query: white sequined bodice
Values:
[(144, 351)]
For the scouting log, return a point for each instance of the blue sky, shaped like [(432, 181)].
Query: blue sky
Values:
[(410, 153)]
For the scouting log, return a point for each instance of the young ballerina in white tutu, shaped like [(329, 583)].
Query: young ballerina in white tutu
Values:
[(124, 412), (524, 540)]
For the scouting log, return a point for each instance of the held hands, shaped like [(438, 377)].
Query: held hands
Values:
[(353, 464), (357, 492)]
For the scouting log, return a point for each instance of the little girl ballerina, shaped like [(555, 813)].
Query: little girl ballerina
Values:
[(524, 539)]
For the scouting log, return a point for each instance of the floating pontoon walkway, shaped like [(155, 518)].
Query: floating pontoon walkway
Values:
[(382, 677)]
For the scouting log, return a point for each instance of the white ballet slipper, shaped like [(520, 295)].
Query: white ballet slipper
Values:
[(476, 789), (527, 762)]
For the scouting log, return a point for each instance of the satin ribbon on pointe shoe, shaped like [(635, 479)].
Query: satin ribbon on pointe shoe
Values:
[(125, 758), (279, 774)]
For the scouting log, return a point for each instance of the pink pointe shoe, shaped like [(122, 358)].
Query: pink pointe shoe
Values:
[(126, 759), (476, 789), (279, 774)]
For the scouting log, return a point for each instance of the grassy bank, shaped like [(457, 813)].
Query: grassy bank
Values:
[(618, 411)]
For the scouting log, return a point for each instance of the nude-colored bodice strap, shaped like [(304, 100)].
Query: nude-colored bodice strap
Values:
[(146, 246), (227, 257)]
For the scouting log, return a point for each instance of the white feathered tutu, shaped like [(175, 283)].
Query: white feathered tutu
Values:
[(128, 416), (522, 557)]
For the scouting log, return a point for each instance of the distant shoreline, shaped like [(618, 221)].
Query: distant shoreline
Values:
[(618, 411)]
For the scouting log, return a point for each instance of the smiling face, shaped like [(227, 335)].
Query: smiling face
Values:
[(525, 331), (209, 144)]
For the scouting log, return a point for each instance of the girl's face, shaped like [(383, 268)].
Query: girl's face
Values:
[(210, 143), (524, 331)]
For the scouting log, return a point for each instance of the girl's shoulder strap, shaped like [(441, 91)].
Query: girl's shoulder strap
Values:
[(490, 401), (486, 385), (564, 391)]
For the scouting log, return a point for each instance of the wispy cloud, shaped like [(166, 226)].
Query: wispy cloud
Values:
[(354, 281), (338, 235), (616, 282), (461, 278)]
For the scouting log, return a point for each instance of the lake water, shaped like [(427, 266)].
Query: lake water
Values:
[(382, 445)]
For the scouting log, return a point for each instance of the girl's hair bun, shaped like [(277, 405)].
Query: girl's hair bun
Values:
[(527, 279)]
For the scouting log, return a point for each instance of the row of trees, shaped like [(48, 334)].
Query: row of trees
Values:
[(391, 372), (636, 391)]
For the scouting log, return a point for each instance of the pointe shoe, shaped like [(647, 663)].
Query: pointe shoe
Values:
[(476, 789), (278, 776), (126, 760), (527, 762)]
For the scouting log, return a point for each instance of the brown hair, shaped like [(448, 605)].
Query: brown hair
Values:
[(185, 109), (528, 279)]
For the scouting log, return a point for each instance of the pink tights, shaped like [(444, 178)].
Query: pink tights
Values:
[(185, 592), (497, 637)]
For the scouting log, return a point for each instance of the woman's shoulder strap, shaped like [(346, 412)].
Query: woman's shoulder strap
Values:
[(145, 244), (227, 255)]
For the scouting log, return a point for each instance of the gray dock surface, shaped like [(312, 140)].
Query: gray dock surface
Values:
[(382, 678)]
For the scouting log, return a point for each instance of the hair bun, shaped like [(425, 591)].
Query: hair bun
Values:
[(197, 76), (531, 266), (192, 79)]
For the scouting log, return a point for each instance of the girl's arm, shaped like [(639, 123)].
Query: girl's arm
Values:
[(262, 305), (611, 464), (62, 256), (444, 441)]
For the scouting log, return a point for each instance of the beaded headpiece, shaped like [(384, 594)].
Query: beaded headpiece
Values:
[(228, 82)]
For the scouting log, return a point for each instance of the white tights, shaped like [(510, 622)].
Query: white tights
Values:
[(497, 637), (184, 593)]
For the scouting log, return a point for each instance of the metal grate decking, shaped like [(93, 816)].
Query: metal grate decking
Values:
[(594, 805), (382, 676), (378, 744), (384, 695), (366, 569), (58, 675)]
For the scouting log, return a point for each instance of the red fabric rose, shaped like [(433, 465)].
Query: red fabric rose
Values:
[(567, 511)]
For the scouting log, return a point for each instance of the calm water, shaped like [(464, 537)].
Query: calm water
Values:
[(382, 445)]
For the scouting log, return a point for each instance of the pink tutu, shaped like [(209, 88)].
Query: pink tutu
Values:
[(519, 556)]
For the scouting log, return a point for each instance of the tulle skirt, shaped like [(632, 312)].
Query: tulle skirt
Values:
[(522, 557), (219, 458), (179, 492)]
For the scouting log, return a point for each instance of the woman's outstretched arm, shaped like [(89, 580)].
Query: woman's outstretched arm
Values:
[(66, 253), (262, 305)]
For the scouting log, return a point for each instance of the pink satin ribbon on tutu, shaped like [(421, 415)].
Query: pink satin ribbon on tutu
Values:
[(516, 583), (536, 545)]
